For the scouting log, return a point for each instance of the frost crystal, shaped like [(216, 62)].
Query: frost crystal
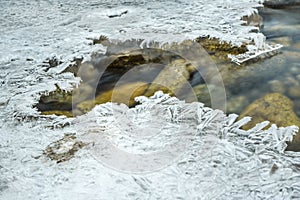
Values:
[(210, 150), (259, 48)]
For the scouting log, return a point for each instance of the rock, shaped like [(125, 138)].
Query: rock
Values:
[(116, 59), (56, 100), (273, 107), (297, 106), (294, 69), (127, 60), (290, 82), (57, 96), (204, 94), (58, 112), (64, 149), (59, 102), (294, 92), (122, 94), (295, 144), (171, 79), (277, 86), (125, 93), (201, 93), (277, 109), (215, 45)]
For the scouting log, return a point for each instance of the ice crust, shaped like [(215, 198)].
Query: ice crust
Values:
[(224, 164)]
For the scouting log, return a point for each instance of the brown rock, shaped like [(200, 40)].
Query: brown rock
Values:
[(58, 113), (120, 94), (171, 79), (277, 109), (273, 107), (294, 92), (277, 86)]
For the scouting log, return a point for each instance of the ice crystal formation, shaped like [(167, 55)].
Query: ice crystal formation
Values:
[(227, 163)]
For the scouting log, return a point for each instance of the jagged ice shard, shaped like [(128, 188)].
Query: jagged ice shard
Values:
[(186, 151)]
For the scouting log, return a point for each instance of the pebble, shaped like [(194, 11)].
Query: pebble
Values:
[(294, 92), (277, 86), (290, 81), (294, 69)]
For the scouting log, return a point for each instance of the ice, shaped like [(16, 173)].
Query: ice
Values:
[(220, 161)]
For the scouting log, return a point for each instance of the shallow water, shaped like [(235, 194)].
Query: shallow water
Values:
[(280, 26), (273, 73)]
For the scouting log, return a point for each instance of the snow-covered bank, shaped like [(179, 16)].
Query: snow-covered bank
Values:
[(209, 168)]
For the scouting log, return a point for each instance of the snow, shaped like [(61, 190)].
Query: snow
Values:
[(224, 164)]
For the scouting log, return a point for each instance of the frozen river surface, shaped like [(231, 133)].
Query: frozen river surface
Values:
[(162, 149)]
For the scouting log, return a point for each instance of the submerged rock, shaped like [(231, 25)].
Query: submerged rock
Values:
[(294, 92), (277, 86), (127, 65), (120, 94), (202, 94), (207, 94), (58, 112), (297, 106), (273, 107), (171, 79), (277, 109)]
